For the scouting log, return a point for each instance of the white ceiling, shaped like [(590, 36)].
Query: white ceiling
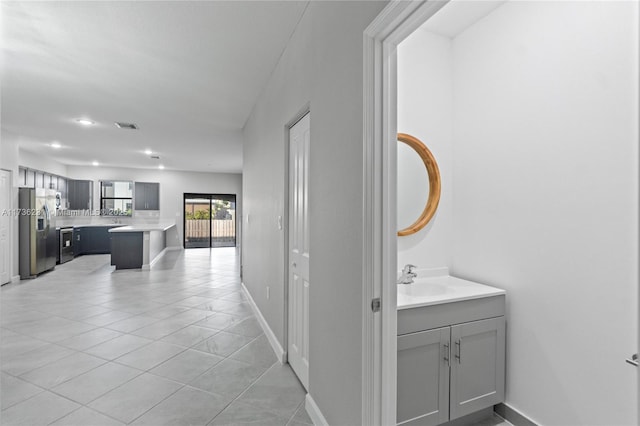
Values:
[(187, 73), (458, 15)]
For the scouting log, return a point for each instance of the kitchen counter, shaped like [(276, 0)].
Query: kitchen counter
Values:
[(144, 227), (442, 289), (95, 225)]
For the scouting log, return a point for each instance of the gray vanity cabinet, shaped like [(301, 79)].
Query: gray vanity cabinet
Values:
[(423, 377), (477, 366), (454, 370), (147, 196)]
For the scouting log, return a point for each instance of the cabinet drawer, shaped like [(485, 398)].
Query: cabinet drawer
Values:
[(428, 317)]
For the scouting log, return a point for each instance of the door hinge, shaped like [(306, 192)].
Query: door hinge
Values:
[(376, 304)]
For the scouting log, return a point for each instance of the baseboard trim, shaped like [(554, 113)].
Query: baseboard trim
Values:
[(159, 256), (314, 411), (513, 416), (146, 267), (273, 340)]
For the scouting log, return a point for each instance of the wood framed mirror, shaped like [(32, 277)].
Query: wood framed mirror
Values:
[(433, 177)]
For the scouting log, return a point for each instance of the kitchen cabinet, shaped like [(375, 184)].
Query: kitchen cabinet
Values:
[(147, 196), (78, 240), (79, 194), (451, 371), (92, 240), (58, 250), (127, 250)]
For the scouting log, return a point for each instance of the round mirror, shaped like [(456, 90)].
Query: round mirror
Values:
[(418, 185)]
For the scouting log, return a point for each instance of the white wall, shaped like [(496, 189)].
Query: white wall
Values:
[(335, 207), (425, 90), (322, 66), (9, 157), (173, 185), (264, 160), (41, 162), (546, 199), (9, 161)]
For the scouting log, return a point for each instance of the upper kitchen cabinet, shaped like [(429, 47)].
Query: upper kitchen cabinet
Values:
[(147, 196), (79, 194)]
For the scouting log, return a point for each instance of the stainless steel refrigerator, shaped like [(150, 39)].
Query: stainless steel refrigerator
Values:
[(37, 230)]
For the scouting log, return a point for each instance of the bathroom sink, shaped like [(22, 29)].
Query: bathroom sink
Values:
[(441, 289)]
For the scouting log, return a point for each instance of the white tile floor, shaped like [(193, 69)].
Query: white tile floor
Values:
[(178, 345)]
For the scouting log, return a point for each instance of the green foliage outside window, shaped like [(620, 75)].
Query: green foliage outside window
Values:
[(220, 212)]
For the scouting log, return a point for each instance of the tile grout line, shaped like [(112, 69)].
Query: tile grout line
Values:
[(229, 287)]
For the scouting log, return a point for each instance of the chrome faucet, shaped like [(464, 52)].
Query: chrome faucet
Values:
[(407, 274)]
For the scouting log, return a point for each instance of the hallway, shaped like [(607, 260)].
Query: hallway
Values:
[(85, 344)]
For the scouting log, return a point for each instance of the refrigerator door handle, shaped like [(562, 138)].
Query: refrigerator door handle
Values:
[(47, 219)]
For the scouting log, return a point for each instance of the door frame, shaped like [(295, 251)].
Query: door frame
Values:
[(379, 247), (306, 109), (210, 197)]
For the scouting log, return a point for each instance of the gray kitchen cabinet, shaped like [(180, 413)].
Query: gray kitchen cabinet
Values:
[(457, 369), (79, 194), (92, 240), (147, 196), (78, 241)]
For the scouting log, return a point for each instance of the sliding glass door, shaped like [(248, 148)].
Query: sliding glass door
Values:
[(209, 220)]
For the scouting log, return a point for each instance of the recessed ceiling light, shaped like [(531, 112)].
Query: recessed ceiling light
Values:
[(85, 121), (95, 163), (161, 167), (56, 145), (148, 151)]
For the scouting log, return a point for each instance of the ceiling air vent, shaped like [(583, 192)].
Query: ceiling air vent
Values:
[(155, 157), (129, 126)]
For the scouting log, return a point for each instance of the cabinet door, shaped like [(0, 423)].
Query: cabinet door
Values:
[(101, 243), (152, 194), (88, 243), (477, 365), (84, 197), (140, 202), (71, 189), (77, 242), (147, 196), (79, 194), (423, 377)]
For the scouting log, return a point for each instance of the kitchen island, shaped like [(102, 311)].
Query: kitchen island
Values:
[(138, 246)]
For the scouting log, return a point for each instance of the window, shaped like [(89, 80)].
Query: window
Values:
[(116, 198)]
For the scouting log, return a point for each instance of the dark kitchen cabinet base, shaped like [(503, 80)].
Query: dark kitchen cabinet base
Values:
[(126, 250), (92, 240)]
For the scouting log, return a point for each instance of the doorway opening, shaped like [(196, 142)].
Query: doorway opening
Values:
[(209, 220)]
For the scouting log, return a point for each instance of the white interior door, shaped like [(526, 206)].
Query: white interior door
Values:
[(298, 350), (5, 226)]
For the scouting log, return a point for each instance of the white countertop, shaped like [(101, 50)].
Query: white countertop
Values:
[(443, 289), (144, 227), (93, 225)]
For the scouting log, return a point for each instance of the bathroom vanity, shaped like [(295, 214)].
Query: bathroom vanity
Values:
[(451, 349)]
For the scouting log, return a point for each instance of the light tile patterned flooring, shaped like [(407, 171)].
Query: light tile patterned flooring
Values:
[(178, 345)]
